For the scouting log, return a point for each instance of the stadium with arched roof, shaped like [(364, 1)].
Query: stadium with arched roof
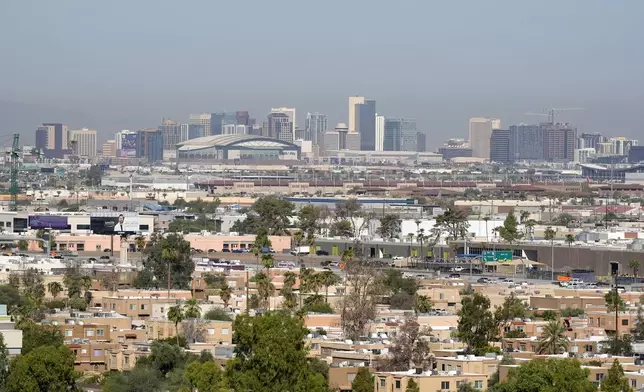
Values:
[(236, 147)]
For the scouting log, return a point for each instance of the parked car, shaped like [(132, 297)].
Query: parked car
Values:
[(226, 250), (238, 250), (107, 250), (322, 253), (483, 280)]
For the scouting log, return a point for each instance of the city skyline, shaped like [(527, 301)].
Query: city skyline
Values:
[(460, 70)]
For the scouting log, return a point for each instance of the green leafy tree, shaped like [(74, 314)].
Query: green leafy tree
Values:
[(268, 261), (412, 386), (349, 211), (23, 245), (634, 265), (390, 226), (570, 239), (4, 363), (363, 382), (164, 357), (572, 312), (309, 219), (341, 228), (509, 232), (476, 323), (615, 380), (616, 345), (271, 213), (422, 304), (512, 307), (638, 331), (265, 288), (205, 377), (553, 339), (547, 375), (614, 302), (467, 388), (54, 288), (35, 335), (140, 379), (176, 315), (43, 369), (217, 314), (454, 222), (548, 315), (225, 293), (170, 251), (270, 355)]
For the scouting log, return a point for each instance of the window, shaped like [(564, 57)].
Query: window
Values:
[(634, 383), (89, 332), (224, 331), (522, 345), (144, 227), (351, 377), (211, 331), (397, 382), (112, 306), (98, 353), (445, 385), (69, 332), (100, 332), (588, 348), (625, 322), (383, 382), (478, 384), (8, 224), (143, 306), (599, 376), (132, 306), (98, 248), (83, 351), (82, 227)]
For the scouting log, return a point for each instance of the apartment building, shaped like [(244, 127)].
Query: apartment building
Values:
[(112, 320), (427, 381), (469, 364), (341, 376), (90, 356), (606, 321), (135, 306), (12, 336), (209, 331)]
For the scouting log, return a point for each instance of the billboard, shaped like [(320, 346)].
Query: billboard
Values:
[(48, 222), (128, 145), (114, 223), (20, 225)]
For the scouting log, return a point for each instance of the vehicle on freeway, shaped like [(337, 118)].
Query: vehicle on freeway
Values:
[(321, 252), (483, 280), (398, 258), (226, 250), (457, 269), (454, 276), (238, 250)]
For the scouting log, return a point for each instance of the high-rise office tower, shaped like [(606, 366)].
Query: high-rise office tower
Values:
[(155, 147), (331, 141), (622, 145), (51, 138), (235, 129), (243, 118), (83, 142), (559, 142), (352, 141), (365, 123), (380, 132), (142, 141), (185, 132), (278, 126), (590, 140), (171, 134), (500, 146), (216, 123), (353, 101), (409, 136), (392, 134), (314, 125), (109, 149), (201, 123), (400, 134), (421, 142), (526, 143), (290, 112), (480, 133)]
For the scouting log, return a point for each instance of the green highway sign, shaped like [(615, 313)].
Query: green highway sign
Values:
[(497, 255)]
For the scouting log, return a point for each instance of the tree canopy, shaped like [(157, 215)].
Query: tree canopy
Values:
[(547, 375), (171, 250), (271, 213), (476, 323), (44, 369)]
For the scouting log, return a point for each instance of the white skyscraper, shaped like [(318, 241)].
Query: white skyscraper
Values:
[(314, 127), (83, 141), (290, 112), (380, 132), (353, 101), (201, 121), (480, 133)]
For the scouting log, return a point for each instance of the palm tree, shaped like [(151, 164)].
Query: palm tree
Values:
[(634, 265), (265, 288), (570, 239), (410, 238), (316, 282), (486, 219), (298, 238), (191, 309), (290, 299), (54, 288), (328, 278), (422, 304), (421, 237), (552, 340), (524, 216), (175, 314), (225, 292), (310, 241), (529, 228), (268, 261)]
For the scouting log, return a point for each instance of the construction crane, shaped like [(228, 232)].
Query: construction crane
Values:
[(552, 112), (15, 163)]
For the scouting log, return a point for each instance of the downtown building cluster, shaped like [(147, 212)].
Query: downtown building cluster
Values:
[(366, 131)]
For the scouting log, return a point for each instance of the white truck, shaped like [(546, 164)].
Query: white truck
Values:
[(301, 251)]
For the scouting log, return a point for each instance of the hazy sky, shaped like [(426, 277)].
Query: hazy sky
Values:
[(125, 64)]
